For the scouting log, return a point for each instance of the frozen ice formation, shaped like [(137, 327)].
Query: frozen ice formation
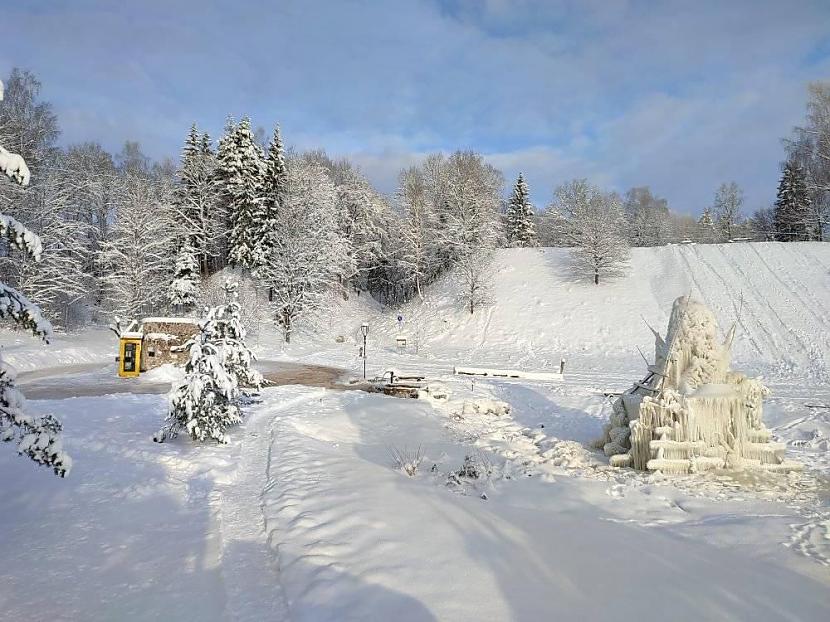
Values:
[(691, 412)]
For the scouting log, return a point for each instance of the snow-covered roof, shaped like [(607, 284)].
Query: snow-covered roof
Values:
[(170, 320), (132, 335)]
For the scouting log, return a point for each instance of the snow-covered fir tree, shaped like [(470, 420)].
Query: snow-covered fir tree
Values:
[(521, 230), (220, 367), (308, 254), (275, 180), (276, 170), (205, 404), (196, 200), (240, 173), (228, 333), (184, 288), (592, 222), (39, 438), (792, 205)]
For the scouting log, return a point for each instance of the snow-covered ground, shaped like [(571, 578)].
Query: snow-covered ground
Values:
[(93, 346), (305, 517)]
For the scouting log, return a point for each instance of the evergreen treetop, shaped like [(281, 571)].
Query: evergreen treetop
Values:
[(184, 288), (792, 205), (521, 230), (241, 177)]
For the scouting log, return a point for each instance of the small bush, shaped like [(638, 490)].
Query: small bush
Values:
[(475, 467), (405, 460)]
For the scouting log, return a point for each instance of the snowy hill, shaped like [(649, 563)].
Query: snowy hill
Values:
[(777, 293)]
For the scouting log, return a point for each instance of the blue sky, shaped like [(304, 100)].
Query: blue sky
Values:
[(676, 95)]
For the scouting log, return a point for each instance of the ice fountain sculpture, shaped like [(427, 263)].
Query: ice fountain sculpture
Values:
[(691, 413)]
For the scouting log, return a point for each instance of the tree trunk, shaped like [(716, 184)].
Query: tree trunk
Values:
[(286, 326), (596, 277)]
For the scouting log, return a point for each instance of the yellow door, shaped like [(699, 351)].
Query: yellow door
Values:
[(129, 363)]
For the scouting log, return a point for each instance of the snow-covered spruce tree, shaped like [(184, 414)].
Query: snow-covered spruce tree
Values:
[(275, 180), (240, 173), (519, 217), (727, 209), (184, 288), (308, 254), (37, 438), (196, 201), (207, 403), (792, 205), (592, 222), (228, 333)]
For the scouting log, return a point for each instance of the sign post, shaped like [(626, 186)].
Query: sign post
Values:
[(364, 328)]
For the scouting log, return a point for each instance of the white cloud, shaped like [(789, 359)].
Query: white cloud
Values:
[(677, 95)]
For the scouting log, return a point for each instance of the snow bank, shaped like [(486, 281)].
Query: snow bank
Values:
[(95, 345)]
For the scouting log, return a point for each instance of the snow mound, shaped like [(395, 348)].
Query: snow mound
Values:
[(485, 407), (174, 374)]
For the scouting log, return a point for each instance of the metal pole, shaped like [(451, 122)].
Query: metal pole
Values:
[(364, 357)]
